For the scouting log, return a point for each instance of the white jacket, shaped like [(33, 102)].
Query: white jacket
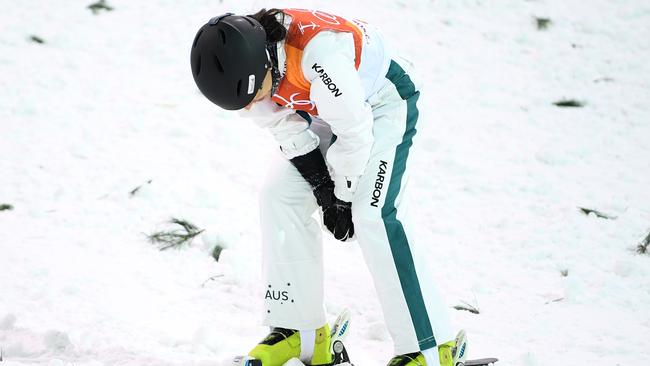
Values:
[(346, 111)]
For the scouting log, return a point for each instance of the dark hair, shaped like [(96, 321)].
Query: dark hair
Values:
[(275, 30)]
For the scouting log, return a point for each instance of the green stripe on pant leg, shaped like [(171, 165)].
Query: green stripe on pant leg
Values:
[(395, 230)]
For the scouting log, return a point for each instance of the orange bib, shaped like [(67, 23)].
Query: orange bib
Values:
[(293, 90)]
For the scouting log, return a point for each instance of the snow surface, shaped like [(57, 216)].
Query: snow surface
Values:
[(107, 103)]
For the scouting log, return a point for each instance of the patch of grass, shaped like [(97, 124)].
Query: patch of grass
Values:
[(604, 79), (216, 252), (467, 307), (542, 23), (213, 278), (599, 214), (6, 207), (569, 103), (99, 6), (642, 248), (136, 189), (36, 39), (181, 234), (555, 300), (564, 272)]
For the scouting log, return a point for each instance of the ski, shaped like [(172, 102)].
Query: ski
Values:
[(339, 333), (247, 361), (244, 361), (481, 362)]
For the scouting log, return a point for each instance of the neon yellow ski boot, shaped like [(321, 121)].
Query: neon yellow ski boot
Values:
[(281, 345), (409, 359), (451, 353)]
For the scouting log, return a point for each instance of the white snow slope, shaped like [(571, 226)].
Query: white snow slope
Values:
[(108, 103)]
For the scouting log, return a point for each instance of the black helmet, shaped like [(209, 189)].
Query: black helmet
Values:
[(229, 60)]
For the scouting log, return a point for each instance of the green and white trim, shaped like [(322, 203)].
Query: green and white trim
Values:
[(415, 314), (397, 238)]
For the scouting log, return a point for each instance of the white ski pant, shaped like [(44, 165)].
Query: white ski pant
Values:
[(415, 314)]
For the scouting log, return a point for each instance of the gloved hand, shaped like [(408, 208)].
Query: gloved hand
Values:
[(338, 219), (337, 214)]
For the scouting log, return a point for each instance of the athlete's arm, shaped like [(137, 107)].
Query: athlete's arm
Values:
[(300, 146), (289, 129), (336, 89)]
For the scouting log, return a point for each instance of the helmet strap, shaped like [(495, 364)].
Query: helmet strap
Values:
[(272, 54)]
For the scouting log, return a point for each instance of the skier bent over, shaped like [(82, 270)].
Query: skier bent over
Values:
[(326, 86)]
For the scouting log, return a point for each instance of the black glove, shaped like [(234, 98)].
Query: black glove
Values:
[(338, 219), (337, 214), (312, 167)]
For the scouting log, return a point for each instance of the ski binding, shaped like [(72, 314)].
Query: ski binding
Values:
[(338, 334), (481, 362)]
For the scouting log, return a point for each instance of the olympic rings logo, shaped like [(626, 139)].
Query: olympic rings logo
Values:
[(302, 27), (293, 102), (322, 16)]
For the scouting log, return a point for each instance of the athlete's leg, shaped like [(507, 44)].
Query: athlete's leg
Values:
[(292, 251), (415, 314)]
